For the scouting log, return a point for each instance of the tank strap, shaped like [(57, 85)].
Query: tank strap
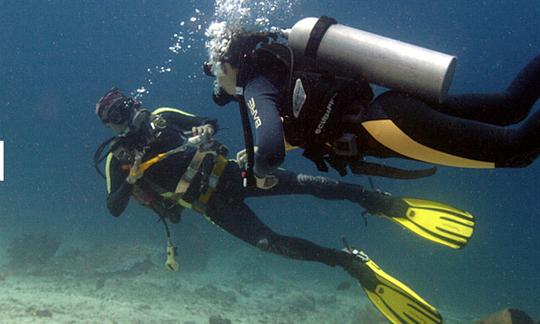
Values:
[(317, 34), (248, 176)]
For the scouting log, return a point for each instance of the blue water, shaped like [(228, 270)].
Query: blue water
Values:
[(58, 57)]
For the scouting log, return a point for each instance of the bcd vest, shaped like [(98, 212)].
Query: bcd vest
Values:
[(321, 112)]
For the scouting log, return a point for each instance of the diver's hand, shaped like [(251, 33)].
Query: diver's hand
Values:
[(242, 159), (135, 173), (204, 130), (266, 182)]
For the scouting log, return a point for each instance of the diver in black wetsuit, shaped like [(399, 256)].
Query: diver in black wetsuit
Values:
[(152, 160), (341, 122)]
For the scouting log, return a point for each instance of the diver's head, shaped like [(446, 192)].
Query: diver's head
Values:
[(119, 112), (226, 77), (225, 84), (226, 63)]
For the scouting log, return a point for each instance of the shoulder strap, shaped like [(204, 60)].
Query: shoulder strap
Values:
[(249, 176), (276, 52)]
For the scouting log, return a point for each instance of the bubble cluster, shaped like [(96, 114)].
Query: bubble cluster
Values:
[(191, 32), (214, 30), (190, 35), (231, 16), (142, 90)]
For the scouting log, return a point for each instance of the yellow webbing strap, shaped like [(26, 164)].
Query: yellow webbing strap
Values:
[(170, 109), (219, 166), (147, 164), (171, 196)]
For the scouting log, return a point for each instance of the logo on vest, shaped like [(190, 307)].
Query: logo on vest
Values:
[(253, 110), (326, 116), (299, 98)]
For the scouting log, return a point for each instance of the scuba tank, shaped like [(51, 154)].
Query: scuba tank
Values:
[(373, 58)]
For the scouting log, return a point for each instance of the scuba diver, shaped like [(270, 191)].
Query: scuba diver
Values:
[(310, 85), (168, 160)]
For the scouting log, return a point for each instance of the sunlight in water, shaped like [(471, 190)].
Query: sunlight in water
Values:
[(212, 30), (250, 15)]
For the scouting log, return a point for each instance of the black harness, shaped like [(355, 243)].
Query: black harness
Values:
[(321, 111), (315, 105), (124, 148)]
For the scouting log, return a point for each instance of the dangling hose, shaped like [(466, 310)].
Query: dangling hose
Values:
[(170, 263), (98, 155)]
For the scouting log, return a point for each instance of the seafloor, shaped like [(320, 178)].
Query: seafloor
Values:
[(84, 282)]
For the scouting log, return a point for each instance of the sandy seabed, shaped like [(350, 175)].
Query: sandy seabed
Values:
[(129, 284)]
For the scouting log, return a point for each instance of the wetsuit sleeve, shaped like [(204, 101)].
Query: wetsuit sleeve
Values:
[(261, 97), (118, 190), (184, 120)]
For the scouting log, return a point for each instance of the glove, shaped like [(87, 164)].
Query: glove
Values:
[(135, 173), (242, 159), (204, 130), (266, 182)]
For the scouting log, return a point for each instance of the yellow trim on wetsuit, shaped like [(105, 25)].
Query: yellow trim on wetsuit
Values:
[(108, 172), (169, 109), (289, 147), (390, 135)]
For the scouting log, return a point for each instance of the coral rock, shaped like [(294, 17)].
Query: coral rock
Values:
[(33, 249), (218, 320), (507, 316)]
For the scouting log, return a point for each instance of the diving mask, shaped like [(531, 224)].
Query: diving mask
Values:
[(114, 108)]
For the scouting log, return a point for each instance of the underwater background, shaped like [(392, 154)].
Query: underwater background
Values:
[(57, 58)]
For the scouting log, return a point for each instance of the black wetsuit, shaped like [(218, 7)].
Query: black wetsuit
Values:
[(227, 208), (462, 131), (166, 174)]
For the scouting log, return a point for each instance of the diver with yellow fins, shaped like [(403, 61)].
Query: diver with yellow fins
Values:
[(311, 86), (168, 160)]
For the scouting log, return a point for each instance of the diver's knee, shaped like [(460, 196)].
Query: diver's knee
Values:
[(519, 161), (277, 244), (306, 179), (263, 244), (270, 243)]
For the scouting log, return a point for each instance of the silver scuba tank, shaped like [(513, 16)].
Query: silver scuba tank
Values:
[(376, 59)]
